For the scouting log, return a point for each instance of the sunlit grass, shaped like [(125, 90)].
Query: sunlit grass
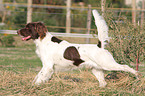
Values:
[(19, 66)]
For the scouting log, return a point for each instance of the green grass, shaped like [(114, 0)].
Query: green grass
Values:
[(18, 59), (19, 65)]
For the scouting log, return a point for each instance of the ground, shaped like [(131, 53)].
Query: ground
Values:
[(19, 65)]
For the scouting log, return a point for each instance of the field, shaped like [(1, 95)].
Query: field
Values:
[(19, 65)]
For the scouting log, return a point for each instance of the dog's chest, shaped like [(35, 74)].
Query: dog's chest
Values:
[(48, 50)]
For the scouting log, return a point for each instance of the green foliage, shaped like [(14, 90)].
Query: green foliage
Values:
[(16, 16), (115, 3), (50, 20), (19, 1), (94, 3), (126, 44), (78, 18), (7, 40)]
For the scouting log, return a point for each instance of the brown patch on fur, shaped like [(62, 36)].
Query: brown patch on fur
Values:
[(41, 29), (71, 53), (54, 39), (99, 44)]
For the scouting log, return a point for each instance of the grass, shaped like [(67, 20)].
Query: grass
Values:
[(19, 65), (18, 59)]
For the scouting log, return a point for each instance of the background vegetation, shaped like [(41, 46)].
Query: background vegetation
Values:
[(15, 17), (127, 43), (19, 63)]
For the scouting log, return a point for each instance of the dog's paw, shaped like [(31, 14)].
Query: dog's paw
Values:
[(102, 84)]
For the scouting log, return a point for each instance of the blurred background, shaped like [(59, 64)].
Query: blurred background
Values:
[(68, 15)]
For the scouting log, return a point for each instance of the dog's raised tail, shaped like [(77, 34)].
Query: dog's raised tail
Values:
[(101, 27)]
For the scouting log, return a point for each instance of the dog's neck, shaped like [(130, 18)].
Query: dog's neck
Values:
[(46, 39)]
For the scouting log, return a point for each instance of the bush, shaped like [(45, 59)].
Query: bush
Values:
[(7, 40), (126, 44)]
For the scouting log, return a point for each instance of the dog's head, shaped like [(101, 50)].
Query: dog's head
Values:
[(33, 31)]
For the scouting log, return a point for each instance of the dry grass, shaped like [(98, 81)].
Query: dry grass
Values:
[(66, 84), (19, 66)]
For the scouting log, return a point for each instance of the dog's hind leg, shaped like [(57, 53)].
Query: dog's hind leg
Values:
[(118, 67), (100, 76)]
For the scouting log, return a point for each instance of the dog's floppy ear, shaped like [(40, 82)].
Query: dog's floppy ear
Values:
[(32, 27), (41, 29), (35, 34)]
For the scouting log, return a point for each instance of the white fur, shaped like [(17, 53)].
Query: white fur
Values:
[(101, 27), (51, 55), (98, 59)]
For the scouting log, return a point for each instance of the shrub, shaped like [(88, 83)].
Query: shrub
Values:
[(126, 44), (7, 40)]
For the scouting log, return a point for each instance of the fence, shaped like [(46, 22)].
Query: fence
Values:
[(15, 14), (55, 34)]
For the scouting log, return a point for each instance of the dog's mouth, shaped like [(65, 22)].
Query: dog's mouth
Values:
[(26, 38)]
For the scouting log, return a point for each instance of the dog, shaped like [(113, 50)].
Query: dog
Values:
[(60, 55)]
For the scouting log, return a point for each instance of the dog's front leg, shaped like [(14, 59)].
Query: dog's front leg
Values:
[(44, 75)]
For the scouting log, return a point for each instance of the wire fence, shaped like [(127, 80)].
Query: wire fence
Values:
[(56, 34), (14, 16)]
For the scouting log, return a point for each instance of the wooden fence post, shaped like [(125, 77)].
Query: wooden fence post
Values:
[(103, 6), (134, 12), (1, 5), (3, 11), (89, 17), (68, 16), (142, 14), (29, 11)]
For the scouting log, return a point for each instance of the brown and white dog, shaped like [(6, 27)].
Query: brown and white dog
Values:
[(59, 55)]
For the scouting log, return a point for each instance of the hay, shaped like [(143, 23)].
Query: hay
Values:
[(74, 83)]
